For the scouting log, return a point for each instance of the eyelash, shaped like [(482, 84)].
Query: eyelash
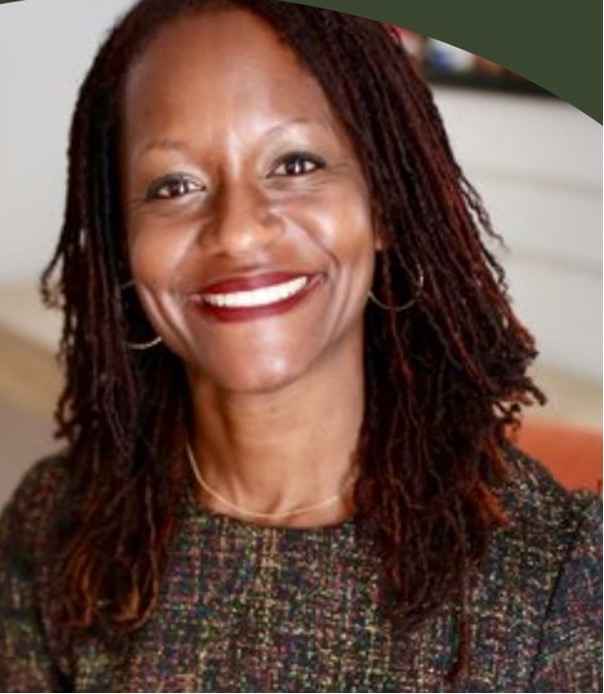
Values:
[(296, 157), (182, 180), (177, 179)]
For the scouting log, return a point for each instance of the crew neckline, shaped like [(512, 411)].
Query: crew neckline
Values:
[(196, 510)]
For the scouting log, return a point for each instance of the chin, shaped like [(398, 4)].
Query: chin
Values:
[(265, 377)]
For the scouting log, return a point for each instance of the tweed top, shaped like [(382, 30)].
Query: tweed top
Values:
[(248, 608)]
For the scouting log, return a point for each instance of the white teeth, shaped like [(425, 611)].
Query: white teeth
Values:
[(257, 297)]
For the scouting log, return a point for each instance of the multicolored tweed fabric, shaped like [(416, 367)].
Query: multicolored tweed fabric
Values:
[(245, 608)]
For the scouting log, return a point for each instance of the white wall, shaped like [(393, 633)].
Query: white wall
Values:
[(537, 163), (45, 50)]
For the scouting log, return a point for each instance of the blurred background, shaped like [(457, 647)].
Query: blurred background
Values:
[(535, 160)]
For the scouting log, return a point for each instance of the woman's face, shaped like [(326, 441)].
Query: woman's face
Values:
[(247, 216)]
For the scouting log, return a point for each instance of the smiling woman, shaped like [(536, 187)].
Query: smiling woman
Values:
[(292, 369)]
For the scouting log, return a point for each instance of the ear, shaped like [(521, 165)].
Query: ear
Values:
[(382, 238), (379, 242)]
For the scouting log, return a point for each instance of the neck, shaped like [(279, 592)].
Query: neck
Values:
[(290, 448)]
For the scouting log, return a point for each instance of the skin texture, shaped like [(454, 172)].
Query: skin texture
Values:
[(277, 401)]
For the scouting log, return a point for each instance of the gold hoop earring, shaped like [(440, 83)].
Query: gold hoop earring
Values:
[(411, 302), (139, 345)]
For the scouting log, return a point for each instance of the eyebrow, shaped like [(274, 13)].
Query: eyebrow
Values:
[(278, 129), (165, 144), (172, 145)]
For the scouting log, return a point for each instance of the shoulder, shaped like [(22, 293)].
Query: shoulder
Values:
[(550, 532), (26, 560), (542, 510), (27, 526), (554, 540), (31, 509), (539, 593), (548, 558)]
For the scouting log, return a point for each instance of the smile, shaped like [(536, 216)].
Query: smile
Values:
[(263, 296), (243, 299)]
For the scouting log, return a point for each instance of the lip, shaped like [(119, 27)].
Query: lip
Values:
[(225, 314), (246, 283)]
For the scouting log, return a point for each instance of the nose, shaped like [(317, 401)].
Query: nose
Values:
[(242, 220)]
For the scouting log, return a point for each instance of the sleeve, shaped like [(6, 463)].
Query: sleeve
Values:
[(570, 654), (25, 661)]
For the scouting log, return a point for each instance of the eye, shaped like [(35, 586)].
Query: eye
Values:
[(173, 186), (297, 164)]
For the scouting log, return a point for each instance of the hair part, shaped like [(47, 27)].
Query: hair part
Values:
[(445, 380)]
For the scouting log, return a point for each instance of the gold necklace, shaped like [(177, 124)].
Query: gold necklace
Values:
[(282, 514)]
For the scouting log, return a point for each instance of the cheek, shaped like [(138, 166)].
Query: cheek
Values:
[(154, 252), (337, 220), (358, 228), (349, 237)]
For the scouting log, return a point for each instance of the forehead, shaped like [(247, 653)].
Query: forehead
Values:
[(229, 66)]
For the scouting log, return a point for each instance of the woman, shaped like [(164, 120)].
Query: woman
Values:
[(292, 369)]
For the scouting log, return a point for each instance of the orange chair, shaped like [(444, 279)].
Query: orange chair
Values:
[(572, 454)]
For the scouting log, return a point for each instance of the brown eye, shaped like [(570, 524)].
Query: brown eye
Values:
[(298, 164), (173, 187)]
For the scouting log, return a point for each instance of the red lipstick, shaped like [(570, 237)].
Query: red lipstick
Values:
[(243, 284), (230, 314)]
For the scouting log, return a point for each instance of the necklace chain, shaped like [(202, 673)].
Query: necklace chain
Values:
[(282, 514)]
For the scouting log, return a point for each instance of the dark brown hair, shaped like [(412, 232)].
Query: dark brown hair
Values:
[(445, 380)]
